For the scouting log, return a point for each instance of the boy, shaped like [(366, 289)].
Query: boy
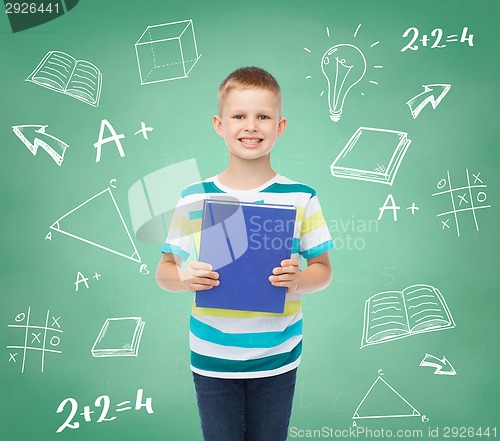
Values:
[(244, 363)]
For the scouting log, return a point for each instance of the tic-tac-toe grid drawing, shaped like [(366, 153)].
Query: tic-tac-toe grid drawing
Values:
[(33, 339), (465, 200)]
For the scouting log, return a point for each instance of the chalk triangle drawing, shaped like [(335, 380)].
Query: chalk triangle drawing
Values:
[(383, 401), (99, 222)]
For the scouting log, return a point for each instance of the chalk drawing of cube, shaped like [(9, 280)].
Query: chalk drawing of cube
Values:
[(166, 52)]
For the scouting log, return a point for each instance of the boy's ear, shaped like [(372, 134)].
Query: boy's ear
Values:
[(218, 125), (281, 126)]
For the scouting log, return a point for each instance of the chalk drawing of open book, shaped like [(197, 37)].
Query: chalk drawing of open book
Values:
[(392, 315), (62, 73)]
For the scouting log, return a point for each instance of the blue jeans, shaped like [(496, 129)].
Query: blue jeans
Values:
[(256, 409)]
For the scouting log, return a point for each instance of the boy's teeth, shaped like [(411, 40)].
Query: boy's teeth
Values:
[(251, 140)]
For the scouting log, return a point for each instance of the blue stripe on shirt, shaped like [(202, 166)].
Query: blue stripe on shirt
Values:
[(174, 249), (244, 340), (318, 249)]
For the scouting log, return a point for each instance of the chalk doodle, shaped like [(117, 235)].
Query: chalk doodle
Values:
[(103, 402), (433, 94), (383, 401), (390, 204), (392, 315), (34, 136), (373, 155), (464, 199), (105, 233), (343, 66), (386, 206), (80, 278), (115, 137), (34, 338), (442, 365), (413, 208), (62, 73), (119, 337), (144, 130), (437, 35), (166, 52)]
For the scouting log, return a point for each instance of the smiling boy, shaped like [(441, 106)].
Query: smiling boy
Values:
[(244, 363)]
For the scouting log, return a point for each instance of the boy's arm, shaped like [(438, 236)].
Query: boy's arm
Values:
[(197, 276), (315, 277)]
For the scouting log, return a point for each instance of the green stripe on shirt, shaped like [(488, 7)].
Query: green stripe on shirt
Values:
[(201, 188), (278, 187)]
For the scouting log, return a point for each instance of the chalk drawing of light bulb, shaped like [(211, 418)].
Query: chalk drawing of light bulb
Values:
[(343, 65)]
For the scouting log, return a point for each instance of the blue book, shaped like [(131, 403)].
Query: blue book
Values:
[(244, 242)]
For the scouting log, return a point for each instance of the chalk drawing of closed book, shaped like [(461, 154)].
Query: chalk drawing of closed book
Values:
[(62, 73), (119, 337), (392, 315), (371, 155)]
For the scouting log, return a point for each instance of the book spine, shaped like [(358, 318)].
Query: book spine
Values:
[(226, 235)]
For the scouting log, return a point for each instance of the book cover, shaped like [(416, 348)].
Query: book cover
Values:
[(244, 242), (62, 73), (392, 315), (372, 155), (119, 337)]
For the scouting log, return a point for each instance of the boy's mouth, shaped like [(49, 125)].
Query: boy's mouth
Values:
[(250, 141)]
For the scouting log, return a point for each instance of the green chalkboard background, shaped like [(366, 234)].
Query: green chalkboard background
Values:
[(38, 272)]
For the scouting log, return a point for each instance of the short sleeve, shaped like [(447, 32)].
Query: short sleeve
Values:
[(180, 233), (315, 237)]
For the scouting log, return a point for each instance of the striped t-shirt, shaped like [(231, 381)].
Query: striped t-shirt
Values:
[(245, 344)]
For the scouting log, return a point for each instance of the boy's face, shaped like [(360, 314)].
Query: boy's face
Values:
[(250, 122)]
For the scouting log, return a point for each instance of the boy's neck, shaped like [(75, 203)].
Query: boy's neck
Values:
[(243, 174)]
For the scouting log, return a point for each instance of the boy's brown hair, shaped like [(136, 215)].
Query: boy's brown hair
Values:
[(248, 78)]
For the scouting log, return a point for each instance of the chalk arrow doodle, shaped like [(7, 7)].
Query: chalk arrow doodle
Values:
[(417, 103), (34, 136), (443, 366)]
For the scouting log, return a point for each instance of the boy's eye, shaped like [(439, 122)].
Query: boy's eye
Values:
[(238, 117), (263, 117)]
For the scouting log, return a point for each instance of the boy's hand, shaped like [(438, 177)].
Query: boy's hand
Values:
[(288, 275), (198, 276)]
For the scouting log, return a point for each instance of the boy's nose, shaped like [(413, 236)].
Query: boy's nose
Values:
[(251, 125)]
